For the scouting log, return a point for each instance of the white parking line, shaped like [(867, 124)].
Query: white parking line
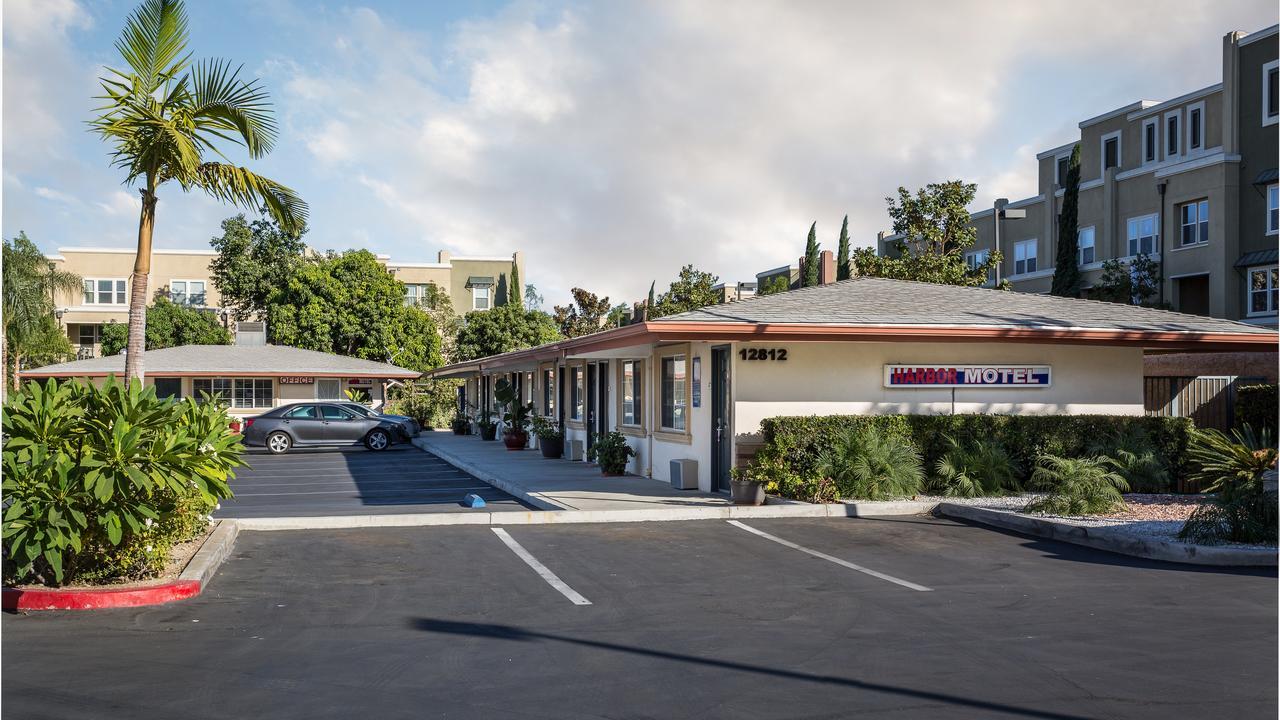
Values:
[(348, 491), (836, 560), (539, 568)]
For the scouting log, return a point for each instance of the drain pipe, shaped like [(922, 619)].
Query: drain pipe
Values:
[(1160, 188)]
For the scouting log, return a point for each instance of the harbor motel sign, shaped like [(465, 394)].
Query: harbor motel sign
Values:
[(963, 376)]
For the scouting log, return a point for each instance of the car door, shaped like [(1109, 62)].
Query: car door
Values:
[(304, 423), (342, 426)]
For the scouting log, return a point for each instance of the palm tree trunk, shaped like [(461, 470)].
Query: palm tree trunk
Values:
[(133, 368)]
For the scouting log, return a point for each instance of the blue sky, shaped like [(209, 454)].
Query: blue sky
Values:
[(611, 142)]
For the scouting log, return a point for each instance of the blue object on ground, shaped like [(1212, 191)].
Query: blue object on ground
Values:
[(473, 500)]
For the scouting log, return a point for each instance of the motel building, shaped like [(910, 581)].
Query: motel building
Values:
[(696, 386), (250, 378)]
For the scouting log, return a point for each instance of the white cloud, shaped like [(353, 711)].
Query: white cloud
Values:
[(55, 195), (121, 203)]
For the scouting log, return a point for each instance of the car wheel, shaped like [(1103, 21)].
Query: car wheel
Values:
[(279, 443), (377, 440)]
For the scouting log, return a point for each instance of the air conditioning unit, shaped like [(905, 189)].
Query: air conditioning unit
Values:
[(573, 450), (251, 333), (684, 474)]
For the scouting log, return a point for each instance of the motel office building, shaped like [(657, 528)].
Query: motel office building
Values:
[(696, 386)]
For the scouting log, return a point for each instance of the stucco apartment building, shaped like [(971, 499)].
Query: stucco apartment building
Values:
[(472, 283), (1190, 181)]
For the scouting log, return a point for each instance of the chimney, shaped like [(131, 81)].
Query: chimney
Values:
[(443, 257), (826, 267)]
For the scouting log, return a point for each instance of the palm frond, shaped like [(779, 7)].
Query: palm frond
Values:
[(249, 190), (221, 101), (153, 42)]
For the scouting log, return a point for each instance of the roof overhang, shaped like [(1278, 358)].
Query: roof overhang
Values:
[(405, 375)]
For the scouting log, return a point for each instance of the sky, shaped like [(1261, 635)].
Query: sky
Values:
[(610, 142)]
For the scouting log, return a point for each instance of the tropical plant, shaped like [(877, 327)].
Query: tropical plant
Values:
[(514, 413), (1076, 486), (1134, 457), (164, 115), (545, 429), (612, 452), (869, 464), (169, 325), (30, 282), (96, 475), (981, 468), (1232, 467)]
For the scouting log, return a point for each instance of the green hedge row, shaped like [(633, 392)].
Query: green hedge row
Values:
[(1258, 405), (801, 440)]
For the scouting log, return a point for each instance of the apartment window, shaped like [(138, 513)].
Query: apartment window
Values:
[(673, 393), (1024, 257), (575, 391), (1194, 218), (187, 292), (1061, 168), (1264, 283), (1271, 92), (1195, 127), (548, 392), (632, 394), (1110, 151), (416, 295), (104, 291), (213, 387), (974, 258), (1142, 235), (479, 298), (1172, 135), (1085, 246), (1149, 142), (1273, 209)]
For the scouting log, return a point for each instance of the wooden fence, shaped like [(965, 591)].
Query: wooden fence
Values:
[(1210, 401)]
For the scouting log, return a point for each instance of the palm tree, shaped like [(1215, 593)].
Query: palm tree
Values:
[(30, 282), (163, 116)]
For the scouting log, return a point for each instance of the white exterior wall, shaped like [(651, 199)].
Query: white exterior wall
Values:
[(699, 424)]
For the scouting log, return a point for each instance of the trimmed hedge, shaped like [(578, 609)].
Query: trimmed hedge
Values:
[(1258, 405), (800, 440)]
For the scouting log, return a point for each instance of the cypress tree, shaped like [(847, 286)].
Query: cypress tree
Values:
[(515, 293), (648, 304), (842, 255), (1066, 273), (810, 270)]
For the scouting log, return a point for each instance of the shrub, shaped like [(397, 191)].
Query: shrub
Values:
[(545, 429), (1134, 458), (976, 469), (612, 452), (1233, 467), (1076, 486), (871, 464), (1257, 406), (99, 482), (779, 479)]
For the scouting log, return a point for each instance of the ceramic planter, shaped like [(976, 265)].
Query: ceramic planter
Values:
[(515, 439), (746, 492), (551, 447)]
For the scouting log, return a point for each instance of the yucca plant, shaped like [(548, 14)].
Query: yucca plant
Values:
[(165, 115), (868, 464), (981, 468), (1076, 486), (1232, 468)]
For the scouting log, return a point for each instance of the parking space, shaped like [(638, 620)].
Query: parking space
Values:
[(354, 481), (681, 619)]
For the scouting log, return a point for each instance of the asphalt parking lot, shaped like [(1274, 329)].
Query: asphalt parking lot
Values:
[(698, 619), (354, 481)]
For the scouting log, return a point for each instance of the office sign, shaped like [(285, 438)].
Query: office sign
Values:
[(296, 380), (967, 376)]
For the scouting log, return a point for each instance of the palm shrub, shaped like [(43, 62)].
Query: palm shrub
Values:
[(1076, 486), (980, 468), (1232, 468), (1133, 456), (100, 482), (869, 464)]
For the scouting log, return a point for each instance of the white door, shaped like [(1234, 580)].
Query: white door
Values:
[(328, 389)]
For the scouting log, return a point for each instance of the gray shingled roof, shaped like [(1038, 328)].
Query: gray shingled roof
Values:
[(878, 301), (231, 360)]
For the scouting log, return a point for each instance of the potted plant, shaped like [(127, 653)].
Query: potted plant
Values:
[(550, 437), (461, 424), (515, 414), (612, 452), (488, 428), (745, 488)]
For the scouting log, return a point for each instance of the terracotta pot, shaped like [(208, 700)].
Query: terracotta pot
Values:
[(515, 439)]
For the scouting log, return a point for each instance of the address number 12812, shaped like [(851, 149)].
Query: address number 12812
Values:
[(779, 354)]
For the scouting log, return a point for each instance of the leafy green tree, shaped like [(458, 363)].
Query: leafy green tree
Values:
[(503, 329), (936, 231), (169, 325), (515, 295), (350, 304), (254, 259), (532, 299), (1134, 283), (809, 276), (1066, 271), (842, 254), (30, 330), (774, 285), (165, 116), (690, 291), (587, 314)]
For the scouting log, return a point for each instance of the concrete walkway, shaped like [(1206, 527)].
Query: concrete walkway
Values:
[(558, 484)]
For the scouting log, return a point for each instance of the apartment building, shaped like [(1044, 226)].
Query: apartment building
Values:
[(471, 282), (1191, 182)]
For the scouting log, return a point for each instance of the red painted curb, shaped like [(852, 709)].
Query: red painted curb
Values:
[(94, 599)]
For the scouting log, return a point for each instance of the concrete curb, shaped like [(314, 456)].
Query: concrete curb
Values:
[(1111, 540), (215, 549)]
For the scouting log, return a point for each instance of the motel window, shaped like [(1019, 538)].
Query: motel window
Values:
[(1142, 235), (1271, 92), (104, 291), (1110, 152), (1273, 209), (187, 292), (212, 387), (632, 395), (1172, 135), (1149, 144), (673, 393), (1264, 284), (1085, 246), (238, 392), (575, 393), (1024, 257), (1195, 127), (480, 298), (548, 392), (1194, 219)]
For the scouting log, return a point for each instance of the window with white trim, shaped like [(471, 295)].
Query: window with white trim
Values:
[(89, 335), (1264, 284), (632, 392), (213, 387), (1271, 93), (1193, 218), (416, 294), (237, 392), (480, 298), (1273, 209), (548, 392), (329, 389), (1150, 135), (187, 292), (674, 415), (1024, 257), (974, 258), (1142, 235), (1110, 151), (1195, 127), (104, 291), (1173, 134), (575, 392), (1085, 246)]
